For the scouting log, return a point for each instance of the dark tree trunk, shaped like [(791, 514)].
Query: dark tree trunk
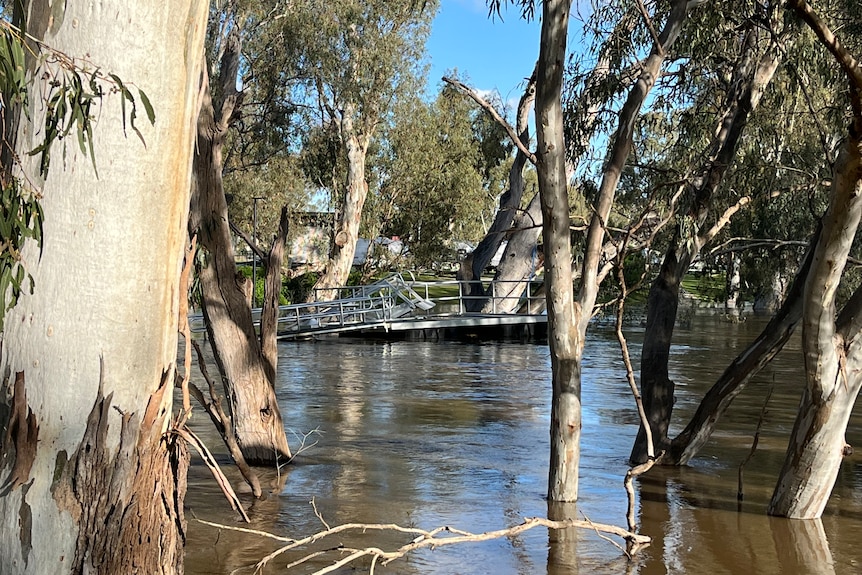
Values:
[(752, 75), (245, 372)]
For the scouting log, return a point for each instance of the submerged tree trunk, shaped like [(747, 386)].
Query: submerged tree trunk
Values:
[(346, 233), (833, 354), (90, 482), (752, 76), (567, 322), (563, 335), (745, 366), (247, 373), (832, 349)]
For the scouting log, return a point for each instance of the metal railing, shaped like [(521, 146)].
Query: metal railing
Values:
[(504, 296), (394, 298)]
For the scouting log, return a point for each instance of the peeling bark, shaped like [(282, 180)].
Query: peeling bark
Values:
[(98, 333), (832, 356), (124, 495), (247, 372), (22, 435)]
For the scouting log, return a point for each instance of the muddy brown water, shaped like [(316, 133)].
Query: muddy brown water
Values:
[(427, 434)]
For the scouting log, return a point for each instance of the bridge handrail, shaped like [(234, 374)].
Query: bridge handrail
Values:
[(388, 299)]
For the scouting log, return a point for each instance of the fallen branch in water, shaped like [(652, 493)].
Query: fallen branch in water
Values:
[(434, 538)]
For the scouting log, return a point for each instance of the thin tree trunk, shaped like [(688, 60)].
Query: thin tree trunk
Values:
[(521, 257), (90, 482), (563, 341), (250, 392), (567, 323)]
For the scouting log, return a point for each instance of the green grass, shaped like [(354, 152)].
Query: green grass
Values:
[(706, 287)]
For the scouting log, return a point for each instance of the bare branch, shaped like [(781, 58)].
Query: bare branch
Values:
[(434, 538), (214, 468), (485, 105), (258, 251), (724, 219)]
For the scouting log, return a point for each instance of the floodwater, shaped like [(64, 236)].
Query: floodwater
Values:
[(427, 434)]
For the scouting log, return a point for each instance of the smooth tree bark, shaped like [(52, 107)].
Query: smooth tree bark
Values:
[(832, 349), (473, 265), (355, 140), (91, 479), (751, 77), (564, 339), (247, 370)]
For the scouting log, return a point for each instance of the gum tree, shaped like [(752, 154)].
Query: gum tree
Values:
[(92, 479)]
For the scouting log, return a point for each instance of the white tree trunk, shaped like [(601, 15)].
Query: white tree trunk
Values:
[(832, 356), (99, 334), (346, 233)]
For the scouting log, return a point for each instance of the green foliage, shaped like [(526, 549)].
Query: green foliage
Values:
[(443, 168), (298, 289), (20, 219)]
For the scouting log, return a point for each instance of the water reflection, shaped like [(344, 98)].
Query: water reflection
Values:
[(437, 433)]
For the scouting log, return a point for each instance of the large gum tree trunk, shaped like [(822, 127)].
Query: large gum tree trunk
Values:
[(90, 482), (346, 232), (247, 373)]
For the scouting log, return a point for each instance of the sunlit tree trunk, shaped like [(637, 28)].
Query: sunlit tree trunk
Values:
[(346, 232), (520, 258), (832, 352), (832, 349), (247, 372), (92, 482), (563, 341), (567, 321)]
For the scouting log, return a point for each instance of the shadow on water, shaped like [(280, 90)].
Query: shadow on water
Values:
[(439, 433)]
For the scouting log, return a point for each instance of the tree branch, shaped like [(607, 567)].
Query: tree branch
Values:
[(423, 539), (847, 62), (485, 105), (258, 251)]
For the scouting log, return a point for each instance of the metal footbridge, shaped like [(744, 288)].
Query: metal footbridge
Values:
[(396, 304)]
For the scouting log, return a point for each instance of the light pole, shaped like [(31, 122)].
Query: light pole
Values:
[(253, 251)]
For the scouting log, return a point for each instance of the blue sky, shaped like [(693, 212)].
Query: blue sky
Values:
[(489, 54)]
